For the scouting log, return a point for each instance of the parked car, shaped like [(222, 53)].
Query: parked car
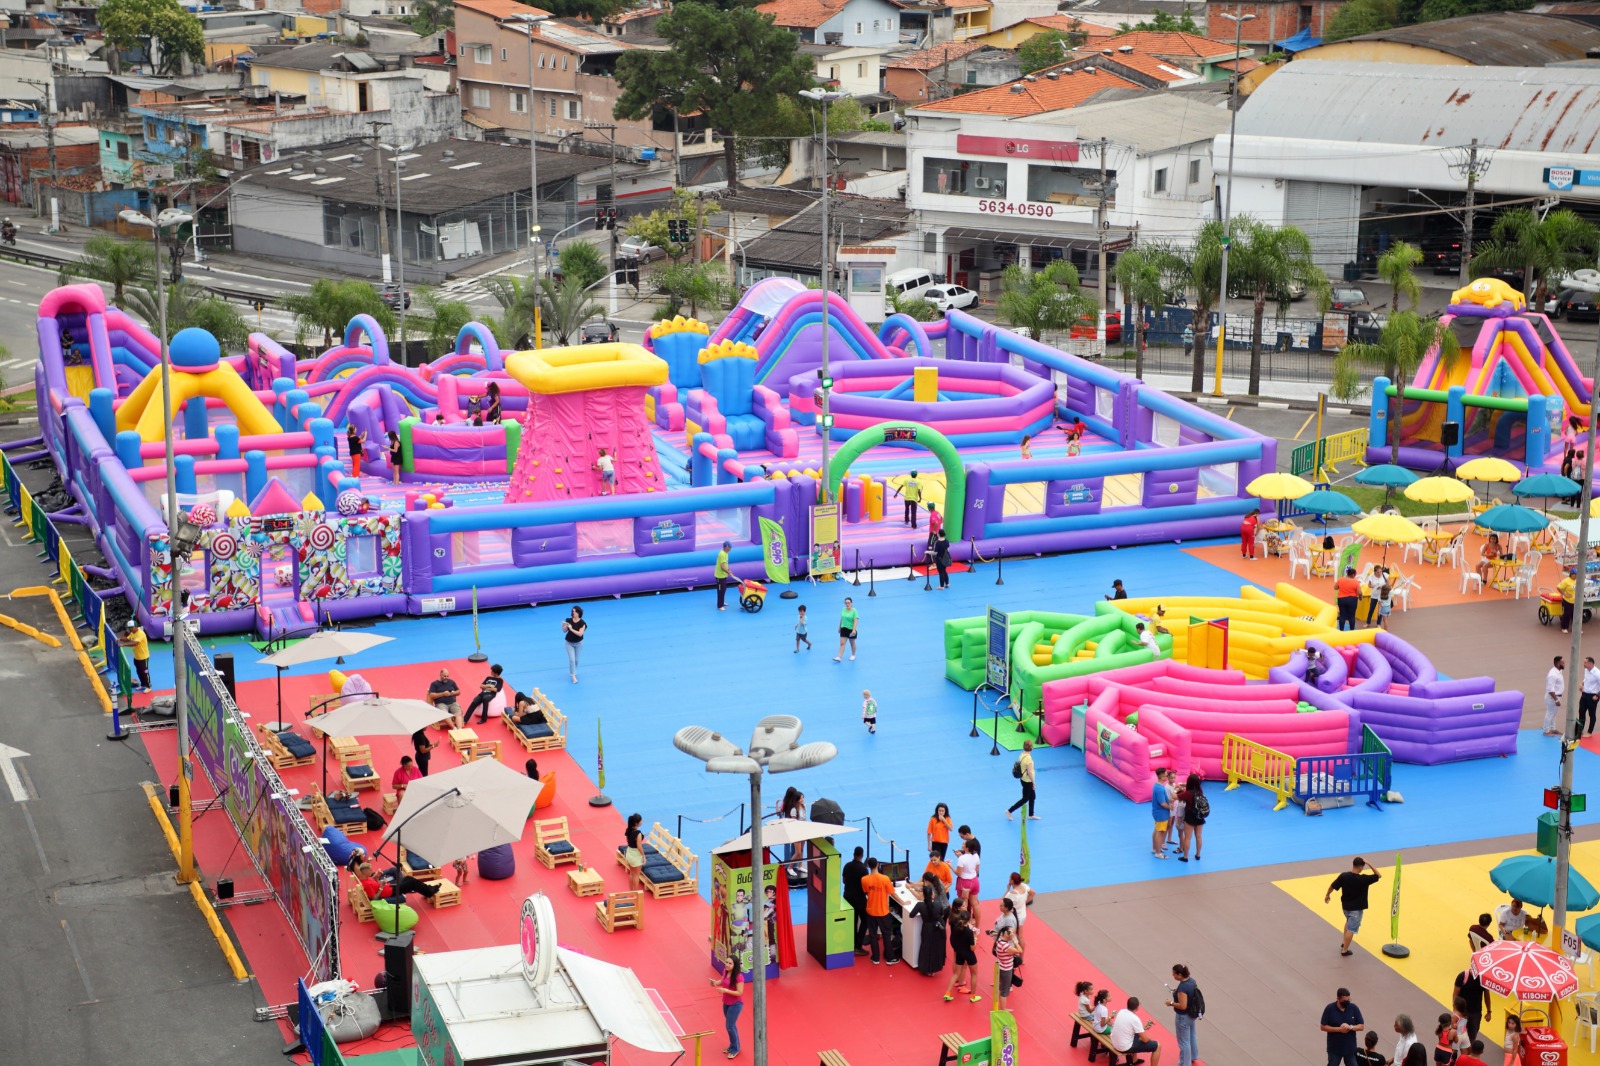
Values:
[(1576, 305), (1086, 327), (391, 296), (1347, 296), (944, 297), (639, 248), (599, 332), (1443, 257)]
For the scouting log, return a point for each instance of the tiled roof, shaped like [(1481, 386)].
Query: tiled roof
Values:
[(1156, 43), (807, 13), (501, 9), (966, 5), (1068, 24), (938, 55), (1144, 63), (1035, 97), (1243, 66)]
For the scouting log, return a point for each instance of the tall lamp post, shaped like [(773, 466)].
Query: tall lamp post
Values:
[(825, 97), (398, 152), (775, 748), (1227, 203), (534, 229), (181, 536)]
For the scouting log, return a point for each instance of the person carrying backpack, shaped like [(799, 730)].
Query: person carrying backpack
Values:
[(1189, 1006), (1196, 809)]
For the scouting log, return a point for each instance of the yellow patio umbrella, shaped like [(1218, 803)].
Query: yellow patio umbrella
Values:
[(1488, 468), (1594, 507), (1438, 491), (1387, 529), (1279, 486)]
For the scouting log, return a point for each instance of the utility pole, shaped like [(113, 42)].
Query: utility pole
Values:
[(1471, 164), (611, 131), (533, 203), (1102, 146), (383, 214)]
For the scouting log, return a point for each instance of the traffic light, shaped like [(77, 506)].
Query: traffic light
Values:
[(678, 230), (605, 218)]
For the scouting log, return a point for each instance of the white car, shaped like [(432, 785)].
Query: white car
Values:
[(944, 297), (638, 248)]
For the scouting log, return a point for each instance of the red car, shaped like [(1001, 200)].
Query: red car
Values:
[(1086, 326)]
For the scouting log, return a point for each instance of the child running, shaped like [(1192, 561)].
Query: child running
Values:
[(800, 636), (869, 711)]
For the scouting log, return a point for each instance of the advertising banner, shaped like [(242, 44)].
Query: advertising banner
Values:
[(824, 539), (733, 910)]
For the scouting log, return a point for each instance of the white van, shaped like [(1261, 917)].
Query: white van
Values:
[(907, 284)]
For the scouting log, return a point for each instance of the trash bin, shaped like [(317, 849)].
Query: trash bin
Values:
[(1352, 271), (1545, 841)]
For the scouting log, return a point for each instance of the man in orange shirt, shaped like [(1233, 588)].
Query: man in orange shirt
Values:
[(1348, 591), (877, 887)]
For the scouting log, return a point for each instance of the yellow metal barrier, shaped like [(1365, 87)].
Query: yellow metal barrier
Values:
[(1343, 448), (1256, 764), (72, 635), (229, 952)]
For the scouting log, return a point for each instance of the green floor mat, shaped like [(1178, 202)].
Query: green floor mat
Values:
[(1011, 737)]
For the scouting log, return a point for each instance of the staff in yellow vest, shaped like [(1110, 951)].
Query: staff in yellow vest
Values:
[(911, 492)]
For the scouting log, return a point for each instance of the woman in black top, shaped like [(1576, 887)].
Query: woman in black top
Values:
[(353, 437), (573, 628), (1193, 796), (932, 911), (491, 405), (963, 940), (633, 857), (395, 455)]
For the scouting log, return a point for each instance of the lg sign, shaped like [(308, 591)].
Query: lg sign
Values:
[(1054, 151)]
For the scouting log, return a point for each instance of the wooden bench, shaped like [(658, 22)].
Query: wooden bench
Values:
[(447, 896), (322, 816), (421, 873), (950, 1045), (661, 845), (548, 835), (1098, 1041), (353, 760), (620, 910), (831, 1058), (391, 803), (278, 754), (360, 904), (556, 741), (481, 749)]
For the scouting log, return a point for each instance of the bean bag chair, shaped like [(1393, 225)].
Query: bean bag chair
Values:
[(338, 846), (392, 918), (547, 794), (497, 863)]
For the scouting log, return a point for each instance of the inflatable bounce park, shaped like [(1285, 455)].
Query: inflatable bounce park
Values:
[(706, 433)]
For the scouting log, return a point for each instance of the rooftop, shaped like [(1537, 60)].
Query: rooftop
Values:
[(1526, 109), (579, 37), (797, 242), (320, 57), (1154, 122), (1174, 44), (1496, 39), (502, 9), (433, 181), (1151, 66), (1070, 24), (1045, 93), (807, 14), (938, 55)]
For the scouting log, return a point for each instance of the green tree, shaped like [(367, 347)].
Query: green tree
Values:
[(591, 10), (517, 297), (1265, 263), (914, 307), (1434, 10), (730, 65), (566, 308), (692, 285), (770, 141), (1362, 16), (117, 262), (330, 305), (1142, 277), (582, 260), (1164, 22), (1046, 300), (191, 306), (431, 16), (685, 207), (1397, 267), (441, 320), (1402, 344), (1049, 48), (163, 30), (1546, 249)]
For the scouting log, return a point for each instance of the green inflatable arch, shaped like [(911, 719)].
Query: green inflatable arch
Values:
[(955, 474)]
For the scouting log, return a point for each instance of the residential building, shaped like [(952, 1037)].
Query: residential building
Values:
[(972, 18), (1118, 13), (339, 77), (1386, 156), (637, 22), (1013, 35), (1271, 21), (1036, 94), (1144, 70), (463, 202), (853, 23), (1492, 39), (1024, 185), (940, 71), (855, 71), (1144, 49), (25, 159)]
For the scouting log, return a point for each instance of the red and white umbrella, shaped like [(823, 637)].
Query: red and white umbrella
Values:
[(1520, 969)]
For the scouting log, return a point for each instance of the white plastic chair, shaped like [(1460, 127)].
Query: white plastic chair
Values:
[(1517, 543), (1588, 1018), (1299, 556), (1527, 577), (1586, 958), (1470, 576), (1415, 546), (1400, 592), (1478, 943), (1451, 551)]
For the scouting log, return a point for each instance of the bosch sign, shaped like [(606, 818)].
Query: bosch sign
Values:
[(1049, 151)]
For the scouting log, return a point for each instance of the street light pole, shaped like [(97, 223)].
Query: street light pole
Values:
[(534, 229), (825, 97), (1227, 204), (400, 240)]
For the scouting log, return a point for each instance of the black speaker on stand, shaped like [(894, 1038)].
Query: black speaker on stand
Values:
[(397, 953), (1450, 434), (224, 661)]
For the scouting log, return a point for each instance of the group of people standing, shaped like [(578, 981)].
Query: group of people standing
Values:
[(1179, 814)]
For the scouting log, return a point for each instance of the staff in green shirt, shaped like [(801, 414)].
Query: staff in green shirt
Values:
[(723, 575), (911, 492), (847, 629)]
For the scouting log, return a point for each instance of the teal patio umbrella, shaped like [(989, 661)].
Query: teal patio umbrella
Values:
[(1512, 518), (1325, 502), (1532, 879), (1385, 475)]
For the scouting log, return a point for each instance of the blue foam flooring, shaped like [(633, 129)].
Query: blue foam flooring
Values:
[(653, 664)]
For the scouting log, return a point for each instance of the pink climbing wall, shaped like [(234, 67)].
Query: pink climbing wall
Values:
[(562, 435)]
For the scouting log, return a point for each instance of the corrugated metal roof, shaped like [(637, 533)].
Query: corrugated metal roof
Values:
[(1530, 109), (1497, 38), (1151, 123)]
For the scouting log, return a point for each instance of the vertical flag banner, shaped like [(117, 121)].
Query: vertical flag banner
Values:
[(775, 550), (1025, 866), (600, 753), (1394, 903)]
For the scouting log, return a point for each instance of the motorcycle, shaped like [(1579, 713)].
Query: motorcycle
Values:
[(8, 234)]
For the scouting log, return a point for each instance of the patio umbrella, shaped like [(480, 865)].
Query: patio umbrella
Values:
[(1512, 518), (375, 716), (1438, 491), (1532, 879), (1588, 930), (778, 831), (1385, 475), (1325, 502), (1387, 529), (1524, 971), (463, 810), (1278, 487), (1546, 487), (326, 644), (1488, 468)]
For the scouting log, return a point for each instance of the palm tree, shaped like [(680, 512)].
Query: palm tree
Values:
[(567, 307), (117, 262), (704, 283), (1266, 262), (517, 297), (1402, 344), (1198, 269), (913, 307), (330, 305), (1142, 277), (1545, 249), (442, 320), (1046, 300), (1397, 267), (582, 260), (189, 305)]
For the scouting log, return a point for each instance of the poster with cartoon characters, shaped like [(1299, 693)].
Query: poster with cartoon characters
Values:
[(734, 908)]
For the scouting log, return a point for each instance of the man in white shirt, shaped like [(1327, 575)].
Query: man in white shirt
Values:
[(1127, 1033), (1511, 918), (1590, 699), (1555, 686)]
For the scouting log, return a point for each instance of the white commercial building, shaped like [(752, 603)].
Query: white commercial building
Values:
[(1363, 154)]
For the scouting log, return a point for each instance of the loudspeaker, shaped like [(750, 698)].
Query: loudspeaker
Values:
[(224, 663), (397, 975), (1450, 434)]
